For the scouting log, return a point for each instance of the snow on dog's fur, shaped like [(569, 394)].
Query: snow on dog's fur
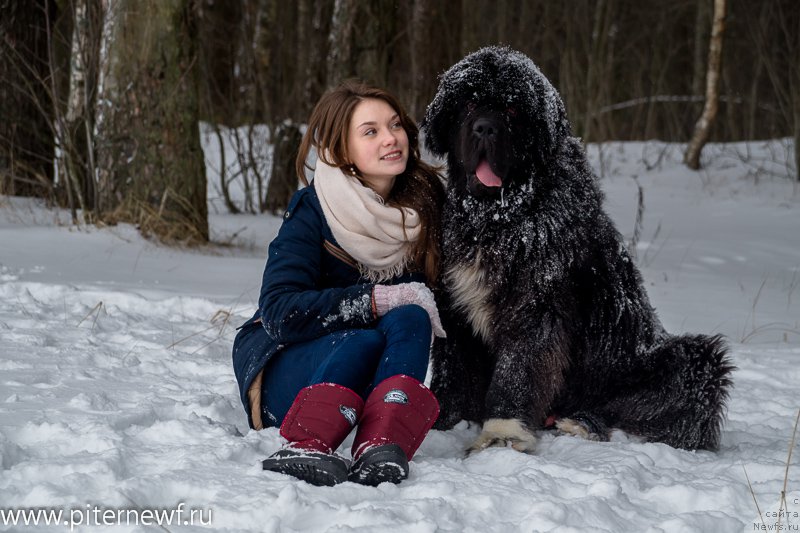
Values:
[(544, 309)]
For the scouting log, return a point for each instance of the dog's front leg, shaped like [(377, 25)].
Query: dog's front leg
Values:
[(459, 377), (528, 374)]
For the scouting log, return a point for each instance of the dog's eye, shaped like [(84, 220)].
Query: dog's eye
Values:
[(471, 106), (511, 111)]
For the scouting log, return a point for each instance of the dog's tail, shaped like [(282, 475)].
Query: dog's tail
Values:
[(695, 402)]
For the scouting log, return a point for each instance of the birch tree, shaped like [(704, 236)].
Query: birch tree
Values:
[(702, 129), (76, 121)]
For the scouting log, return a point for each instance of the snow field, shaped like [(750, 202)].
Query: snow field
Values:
[(132, 403)]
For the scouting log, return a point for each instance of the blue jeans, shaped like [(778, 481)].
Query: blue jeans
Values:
[(357, 359)]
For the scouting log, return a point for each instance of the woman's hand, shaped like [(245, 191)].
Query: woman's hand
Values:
[(387, 297)]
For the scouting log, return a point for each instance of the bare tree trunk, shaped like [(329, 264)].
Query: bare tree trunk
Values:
[(476, 27), (285, 65), (702, 20), (702, 129), (302, 68), (375, 37), (340, 53), (264, 49), (107, 88), (420, 57), (503, 21), (219, 28), (283, 180), (78, 152), (316, 48), (150, 157)]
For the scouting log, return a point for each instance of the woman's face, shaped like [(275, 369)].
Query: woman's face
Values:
[(378, 144)]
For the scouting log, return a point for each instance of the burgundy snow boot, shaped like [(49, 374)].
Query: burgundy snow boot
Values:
[(397, 416), (320, 418)]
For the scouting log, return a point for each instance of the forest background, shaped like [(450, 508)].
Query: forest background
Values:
[(100, 100)]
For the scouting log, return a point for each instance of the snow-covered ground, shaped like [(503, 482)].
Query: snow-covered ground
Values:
[(117, 395)]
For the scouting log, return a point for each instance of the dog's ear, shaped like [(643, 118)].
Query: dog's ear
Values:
[(440, 116), (554, 116)]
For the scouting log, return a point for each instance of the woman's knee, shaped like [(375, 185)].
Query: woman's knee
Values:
[(411, 315), (355, 351), (351, 360), (367, 340), (406, 322)]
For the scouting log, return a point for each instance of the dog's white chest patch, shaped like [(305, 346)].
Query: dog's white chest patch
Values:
[(470, 292)]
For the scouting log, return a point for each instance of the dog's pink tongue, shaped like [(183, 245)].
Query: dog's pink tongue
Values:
[(486, 176)]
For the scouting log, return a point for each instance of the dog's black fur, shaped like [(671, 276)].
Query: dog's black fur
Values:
[(544, 309)]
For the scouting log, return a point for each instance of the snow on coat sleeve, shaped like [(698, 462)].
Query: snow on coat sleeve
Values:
[(294, 305)]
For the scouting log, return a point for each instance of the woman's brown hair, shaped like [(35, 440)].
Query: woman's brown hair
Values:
[(418, 187)]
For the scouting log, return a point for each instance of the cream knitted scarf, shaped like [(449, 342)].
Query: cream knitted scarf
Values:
[(372, 233)]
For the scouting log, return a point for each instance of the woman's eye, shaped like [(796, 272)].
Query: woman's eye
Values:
[(397, 125), (369, 132)]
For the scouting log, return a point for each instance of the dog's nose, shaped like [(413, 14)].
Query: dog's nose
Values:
[(483, 128)]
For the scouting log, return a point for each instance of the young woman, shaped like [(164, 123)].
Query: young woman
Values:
[(345, 318)]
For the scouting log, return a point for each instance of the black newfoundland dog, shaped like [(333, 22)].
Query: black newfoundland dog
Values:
[(548, 323)]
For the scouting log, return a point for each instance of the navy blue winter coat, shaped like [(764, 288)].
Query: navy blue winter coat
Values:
[(311, 287)]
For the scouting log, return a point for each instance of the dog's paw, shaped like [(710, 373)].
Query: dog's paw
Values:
[(503, 432), (578, 428)]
